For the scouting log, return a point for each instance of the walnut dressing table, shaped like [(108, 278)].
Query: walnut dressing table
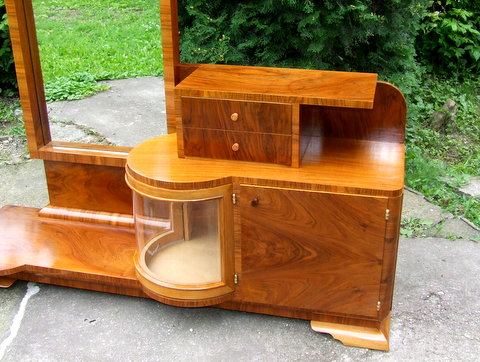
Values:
[(280, 192)]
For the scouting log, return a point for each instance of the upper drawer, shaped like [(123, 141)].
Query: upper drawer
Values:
[(237, 115)]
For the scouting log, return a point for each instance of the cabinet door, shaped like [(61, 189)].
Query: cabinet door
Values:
[(309, 250)]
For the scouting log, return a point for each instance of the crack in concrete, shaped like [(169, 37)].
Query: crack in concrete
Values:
[(32, 289)]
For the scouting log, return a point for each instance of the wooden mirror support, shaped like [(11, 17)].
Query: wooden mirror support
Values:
[(280, 192)]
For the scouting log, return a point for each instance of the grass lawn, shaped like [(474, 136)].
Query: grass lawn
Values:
[(83, 41), (439, 161)]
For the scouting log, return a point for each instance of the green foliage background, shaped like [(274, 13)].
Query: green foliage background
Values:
[(8, 81), (369, 36), (449, 38)]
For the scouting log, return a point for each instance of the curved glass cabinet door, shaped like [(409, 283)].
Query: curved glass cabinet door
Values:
[(185, 246)]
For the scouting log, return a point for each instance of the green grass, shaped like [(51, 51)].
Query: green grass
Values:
[(440, 161), (10, 125), (84, 41)]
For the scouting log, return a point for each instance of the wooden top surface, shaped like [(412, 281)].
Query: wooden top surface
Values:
[(31, 243), (344, 166), (328, 88)]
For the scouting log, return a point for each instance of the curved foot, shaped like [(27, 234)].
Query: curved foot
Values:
[(357, 336), (6, 282)]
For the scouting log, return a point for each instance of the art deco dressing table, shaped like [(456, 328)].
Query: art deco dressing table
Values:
[(278, 191)]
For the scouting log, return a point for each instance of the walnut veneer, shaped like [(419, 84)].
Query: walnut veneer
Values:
[(310, 168)]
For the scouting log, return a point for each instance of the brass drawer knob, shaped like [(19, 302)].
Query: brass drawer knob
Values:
[(235, 147), (234, 117)]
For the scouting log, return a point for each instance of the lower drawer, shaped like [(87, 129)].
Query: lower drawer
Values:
[(241, 146)]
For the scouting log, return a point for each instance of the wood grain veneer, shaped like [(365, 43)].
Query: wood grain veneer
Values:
[(338, 89), (29, 76), (253, 147), (88, 187), (252, 116), (171, 56), (384, 122), (91, 256), (342, 166), (313, 251), (88, 216)]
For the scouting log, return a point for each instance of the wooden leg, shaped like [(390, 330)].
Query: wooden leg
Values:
[(6, 282), (357, 336)]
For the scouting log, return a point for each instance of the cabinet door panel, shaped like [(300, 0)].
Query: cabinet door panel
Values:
[(250, 116), (315, 251)]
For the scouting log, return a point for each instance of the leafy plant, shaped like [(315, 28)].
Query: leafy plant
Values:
[(375, 36), (8, 80), (449, 37), (414, 227), (76, 86), (10, 124)]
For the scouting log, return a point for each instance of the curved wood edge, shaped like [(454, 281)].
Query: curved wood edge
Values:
[(95, 217), (357, 336), (6, 282), (208, 302), (188, 297)]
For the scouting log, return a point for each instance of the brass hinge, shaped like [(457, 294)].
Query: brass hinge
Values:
[(379, 305), (235, 278), (387, 214), (234, 199)]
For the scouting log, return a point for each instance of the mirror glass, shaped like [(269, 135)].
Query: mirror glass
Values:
[(102, 65)]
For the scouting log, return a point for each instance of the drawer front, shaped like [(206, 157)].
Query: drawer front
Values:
[(237, 115), (241, 146)]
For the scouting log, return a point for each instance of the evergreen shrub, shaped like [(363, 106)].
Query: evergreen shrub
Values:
[(449, 37), (369, 36), (8, 80)]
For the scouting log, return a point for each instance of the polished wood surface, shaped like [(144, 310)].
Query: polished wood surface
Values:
[(357, 336), (89, 216), (240, 146), (337, 89), (392, 235), (88, 187), (68, 251), (249, 116), (334, 165), (83, 153), (313, 251), (6, 282), (384, 122), (171, 56), (27, 65)]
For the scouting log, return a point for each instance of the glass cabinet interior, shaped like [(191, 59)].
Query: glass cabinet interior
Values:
[(179, 242)]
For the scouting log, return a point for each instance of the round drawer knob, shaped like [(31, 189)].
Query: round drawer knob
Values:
[(254, 202), (234, 117), (235, 147)]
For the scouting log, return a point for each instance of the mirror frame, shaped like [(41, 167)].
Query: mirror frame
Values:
[(32, 95)]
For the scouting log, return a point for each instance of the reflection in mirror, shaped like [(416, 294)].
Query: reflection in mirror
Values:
[(102, 65)]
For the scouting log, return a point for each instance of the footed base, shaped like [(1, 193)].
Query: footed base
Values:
[(6, 282), (357, 336)]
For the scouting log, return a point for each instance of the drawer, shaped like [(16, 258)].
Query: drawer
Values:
[(241, 146), (237, 115)]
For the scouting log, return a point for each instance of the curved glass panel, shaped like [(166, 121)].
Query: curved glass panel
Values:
[(179, 242)]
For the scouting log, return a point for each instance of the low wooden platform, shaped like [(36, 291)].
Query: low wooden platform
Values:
[(69, 253)]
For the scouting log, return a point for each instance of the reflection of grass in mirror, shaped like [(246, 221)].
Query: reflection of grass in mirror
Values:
[(83, 41)]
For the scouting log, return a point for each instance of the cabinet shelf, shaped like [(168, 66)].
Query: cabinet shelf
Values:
[(262, 84), (338, 165)]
